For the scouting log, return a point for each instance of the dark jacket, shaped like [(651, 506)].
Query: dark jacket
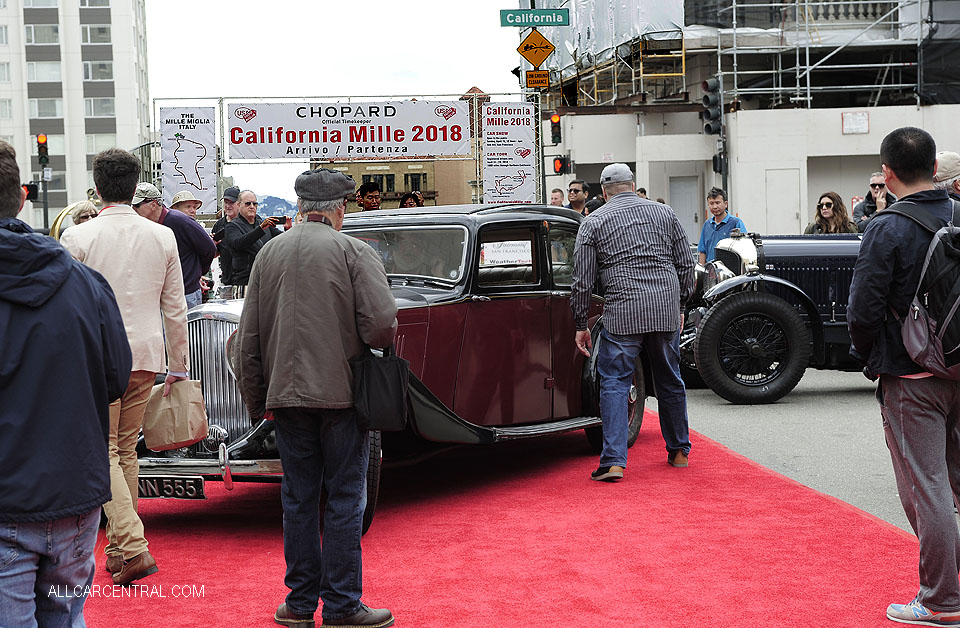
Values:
[(64, 357), (865, 209), (816, 228), (886, 275), (195, 248), (226, 257), (245, 241)]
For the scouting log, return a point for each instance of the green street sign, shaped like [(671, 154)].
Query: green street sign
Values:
[(526, 18)]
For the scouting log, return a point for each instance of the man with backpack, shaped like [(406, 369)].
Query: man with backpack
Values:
[(921, 411)]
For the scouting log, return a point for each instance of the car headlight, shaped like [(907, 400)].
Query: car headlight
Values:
[(716, 272)]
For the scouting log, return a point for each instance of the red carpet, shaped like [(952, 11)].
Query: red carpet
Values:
[(517, 535)]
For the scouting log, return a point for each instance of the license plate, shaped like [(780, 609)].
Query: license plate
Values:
[(170, 486)]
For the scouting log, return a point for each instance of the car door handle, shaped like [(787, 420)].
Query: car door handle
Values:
[(478, 297)]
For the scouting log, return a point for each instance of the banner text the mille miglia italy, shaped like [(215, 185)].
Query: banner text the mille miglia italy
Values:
[(348, 130)]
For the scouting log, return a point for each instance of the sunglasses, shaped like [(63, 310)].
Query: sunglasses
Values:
[(878, 186), (828, 205), (574, 191)]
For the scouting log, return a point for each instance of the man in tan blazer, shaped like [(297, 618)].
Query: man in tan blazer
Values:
[(140, 262)]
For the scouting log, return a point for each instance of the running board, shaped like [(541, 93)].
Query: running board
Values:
[(530, 431)]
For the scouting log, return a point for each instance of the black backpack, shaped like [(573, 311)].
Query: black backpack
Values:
[(931, 330)]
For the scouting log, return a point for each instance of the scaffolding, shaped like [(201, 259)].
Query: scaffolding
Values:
[(788, 52)]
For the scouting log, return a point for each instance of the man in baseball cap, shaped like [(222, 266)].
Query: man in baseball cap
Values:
[(225, 257), (948, 173), (342, 294)]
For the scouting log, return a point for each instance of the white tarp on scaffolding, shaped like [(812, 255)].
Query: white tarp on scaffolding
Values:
[(597, 27)]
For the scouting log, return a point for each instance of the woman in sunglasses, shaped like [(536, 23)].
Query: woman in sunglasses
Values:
[(831, 216)]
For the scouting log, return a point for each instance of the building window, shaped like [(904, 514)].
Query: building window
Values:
[(56, 144), (3, 34), (385, 181), (41, 34), (39, 4), (4, 72), (57, 184), (415, 182), (95, 34), (97, 142), (98, 70), (98, 107), (6, 109), (5, 138), (43, 71), (94, 3), (46, 107)]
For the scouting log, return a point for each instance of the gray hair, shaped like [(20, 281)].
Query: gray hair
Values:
[(946, 184), (617, 188), (320, 206), (876, 174)]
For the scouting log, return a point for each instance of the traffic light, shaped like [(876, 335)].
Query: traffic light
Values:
[(555, 128), (712, 106), (561, 165), (33, 191), (42, 149)]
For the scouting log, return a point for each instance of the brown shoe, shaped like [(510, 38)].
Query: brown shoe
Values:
[(678, 459), (140, 566), (365, 617), (114, 563), (284, 617)]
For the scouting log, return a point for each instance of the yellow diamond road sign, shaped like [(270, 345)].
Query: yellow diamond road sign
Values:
[(535, 48)]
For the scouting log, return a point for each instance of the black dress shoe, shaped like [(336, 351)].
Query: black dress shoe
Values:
[(140, 566), (285, 618), (365, 617)]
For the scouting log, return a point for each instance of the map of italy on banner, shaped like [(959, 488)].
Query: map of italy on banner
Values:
[(188, 153), (347, 130), (509, 153)]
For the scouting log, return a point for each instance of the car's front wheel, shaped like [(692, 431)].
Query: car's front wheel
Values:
[(752, 347)]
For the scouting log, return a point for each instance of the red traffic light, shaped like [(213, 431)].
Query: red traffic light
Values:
[(41, 138), (561, 165), (555, 118)]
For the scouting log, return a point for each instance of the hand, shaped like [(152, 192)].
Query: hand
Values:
[(584, 343), (267, 223), (169, 380), (881, 201), (204, 285), (681, 320)]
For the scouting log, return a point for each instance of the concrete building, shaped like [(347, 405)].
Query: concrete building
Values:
[(77, 71), (810, 88)]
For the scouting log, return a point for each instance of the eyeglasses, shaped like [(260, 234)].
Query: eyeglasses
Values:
[(878, 186), (827, 205)]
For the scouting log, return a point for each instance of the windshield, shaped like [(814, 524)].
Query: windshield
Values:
[(433, 252)]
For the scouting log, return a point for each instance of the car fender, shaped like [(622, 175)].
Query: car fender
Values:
[(760, 281)]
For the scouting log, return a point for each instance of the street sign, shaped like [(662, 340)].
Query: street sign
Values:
[(535, 17), (535, 48), (48, 174), (538, 78)]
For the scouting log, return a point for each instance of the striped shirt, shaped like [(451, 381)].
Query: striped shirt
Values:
[(644, 262)]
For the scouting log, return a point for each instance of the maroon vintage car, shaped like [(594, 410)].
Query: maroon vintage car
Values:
[(484, 319)]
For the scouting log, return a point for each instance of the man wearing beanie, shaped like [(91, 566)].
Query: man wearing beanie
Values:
[(315, 300)]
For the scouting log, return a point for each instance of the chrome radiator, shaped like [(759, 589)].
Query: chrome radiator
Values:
[(208, 363)]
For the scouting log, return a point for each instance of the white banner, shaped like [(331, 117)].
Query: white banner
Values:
[(509, 153), (348, 130), (188, 151)]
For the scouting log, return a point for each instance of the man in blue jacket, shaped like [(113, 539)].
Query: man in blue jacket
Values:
[(921, 412), (61, 327)]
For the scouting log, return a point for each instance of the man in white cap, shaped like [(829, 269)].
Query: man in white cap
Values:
[(195, 247), (288, 368), (948, 174), (187, 203), (641, 254)]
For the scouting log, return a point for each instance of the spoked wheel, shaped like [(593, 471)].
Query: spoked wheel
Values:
[(752, 348)]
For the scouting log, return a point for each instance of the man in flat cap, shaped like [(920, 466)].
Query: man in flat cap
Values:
[(948, 174), (315, 300), (640, 252)]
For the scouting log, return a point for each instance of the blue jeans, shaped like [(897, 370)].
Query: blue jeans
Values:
[(322, 448), (194, 298), (616, 362), (46, 569)]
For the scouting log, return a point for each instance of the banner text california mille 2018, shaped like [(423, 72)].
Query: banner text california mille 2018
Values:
[(348, 130)]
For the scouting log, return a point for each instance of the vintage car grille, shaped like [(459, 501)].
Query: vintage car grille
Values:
[(208, 363), (731, 260)]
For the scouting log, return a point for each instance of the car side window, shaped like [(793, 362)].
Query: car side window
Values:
[(507, 258), (560, 247)]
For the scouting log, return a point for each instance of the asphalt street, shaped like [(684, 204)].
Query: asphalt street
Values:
[(825, 434)]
